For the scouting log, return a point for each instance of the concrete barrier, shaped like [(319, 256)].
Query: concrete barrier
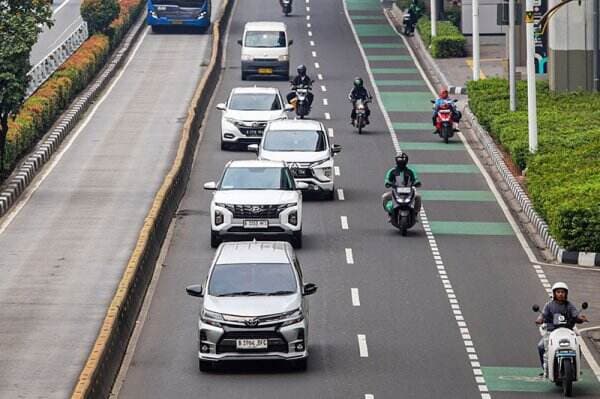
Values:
[(103, 364)]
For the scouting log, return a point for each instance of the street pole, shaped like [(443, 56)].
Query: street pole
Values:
[(596, 44), (531, 94), (511, 55), (475, 9), (433, 6)]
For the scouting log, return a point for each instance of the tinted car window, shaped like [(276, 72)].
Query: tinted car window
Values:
[(255, 102), (265, 39), (252, 279), (255, 178), (291, 140)]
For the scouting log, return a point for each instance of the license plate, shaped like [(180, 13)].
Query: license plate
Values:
[(251, 344), (177, 22), (265, 71), (256, 224)]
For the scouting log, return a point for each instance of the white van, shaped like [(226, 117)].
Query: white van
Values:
[(265, 50)]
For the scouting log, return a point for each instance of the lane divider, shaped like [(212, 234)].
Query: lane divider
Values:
[(103, 363), (362, 345), (349, 256), (355, 296)]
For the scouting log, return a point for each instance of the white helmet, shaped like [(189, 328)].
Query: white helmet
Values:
[(560, 285)]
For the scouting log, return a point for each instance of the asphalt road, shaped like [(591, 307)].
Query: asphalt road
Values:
[(445, 315), (64, 252), (66, 19)]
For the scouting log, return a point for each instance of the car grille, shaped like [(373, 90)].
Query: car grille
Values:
[(276, 342), (255, 211), (270, 229)]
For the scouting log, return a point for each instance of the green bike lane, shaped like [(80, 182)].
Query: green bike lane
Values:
[(490, 271)]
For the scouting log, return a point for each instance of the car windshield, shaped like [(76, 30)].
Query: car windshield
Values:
[(182, 3), (265, 39), (248, 279), (256, 178), (255, 102), (295, 140)]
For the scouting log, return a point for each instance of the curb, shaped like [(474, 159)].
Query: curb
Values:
[(569, 257), (104, 360), (31, 164)]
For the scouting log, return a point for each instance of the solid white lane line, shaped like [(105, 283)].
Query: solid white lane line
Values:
[(319, 76), (344, 221), (355, 297), (314, 53), (330, 131), (317, 65), (336, 170), (325, 102), (362, 345), (349, 256), (55, 159), (323, 88), (340, 193), (309, 33), (327, 116)]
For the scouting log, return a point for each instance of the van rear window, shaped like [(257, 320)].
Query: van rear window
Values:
[(265, 39)]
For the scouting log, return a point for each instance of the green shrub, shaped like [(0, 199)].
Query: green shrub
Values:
[(99, 14), (449, 41), (563, 177)]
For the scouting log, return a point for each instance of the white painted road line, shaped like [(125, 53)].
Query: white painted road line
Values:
[(317, 65), (307, 9), (312, 44), (319, 76), (362, 345), (64, 3), (308, 25), (336, 170), (325, 102), (369, 396), (355, 297), (340, 193), (349, 256), (344, 221), (323, 88), (309, 33), (314, 53), (308, 17), (330, 131), (327, 116)]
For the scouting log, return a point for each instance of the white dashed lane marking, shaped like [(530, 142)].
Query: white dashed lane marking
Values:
[(309, 33), (362, 345), (325, 102), (340, 193), (330, 131), (308, 17), (344, 222), (355, 297), (314, 53), (308, 25), (327, 116), (317, 65), (369, 396), (323, 88), (307, 9), (319, 76), (336, 170), (312, 44), (349, 256)]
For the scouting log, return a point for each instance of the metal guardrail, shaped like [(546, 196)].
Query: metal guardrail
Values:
[(46, 67)]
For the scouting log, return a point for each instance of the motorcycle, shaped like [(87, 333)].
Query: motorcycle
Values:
[(286, 7), (563, 354), (409, 24), (300, 101), (445, 124), (360, 109), (404, 213)]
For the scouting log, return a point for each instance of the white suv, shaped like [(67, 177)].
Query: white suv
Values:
[(256, 199), (247, 112), (305, 147)]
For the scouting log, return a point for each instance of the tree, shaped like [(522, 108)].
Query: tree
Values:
[(20, 23), (99, 14)]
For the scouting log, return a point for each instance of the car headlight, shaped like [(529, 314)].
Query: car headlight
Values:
[(233, 121), (212, 318), (327, 172), (292, 317), (284, 57), (202, 15), (218, 218), (246, 57), (153, 14), (293, 218)]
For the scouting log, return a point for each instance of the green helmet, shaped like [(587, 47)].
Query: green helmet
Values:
[(358, 82)]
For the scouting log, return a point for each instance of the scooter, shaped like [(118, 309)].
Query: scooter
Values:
[(404, 208), (300, 101), (563, 354), (286, 7), (445, 125), (360, 109)]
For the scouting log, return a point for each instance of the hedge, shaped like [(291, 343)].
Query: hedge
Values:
[(43, 108), (449, 41), (563, 177)]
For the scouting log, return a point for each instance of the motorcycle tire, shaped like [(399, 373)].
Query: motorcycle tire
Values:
[(359, 124), (446, 133), (403, 225), (567, 378)]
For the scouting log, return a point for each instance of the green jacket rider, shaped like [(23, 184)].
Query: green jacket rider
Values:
[(408, 178)]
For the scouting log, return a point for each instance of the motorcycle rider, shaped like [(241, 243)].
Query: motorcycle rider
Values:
[(414, 12), (558, 305), (359, 91), (408, 178), (302, 79), (441, 100)]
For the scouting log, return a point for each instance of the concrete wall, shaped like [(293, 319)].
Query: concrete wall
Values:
[(487, 17)]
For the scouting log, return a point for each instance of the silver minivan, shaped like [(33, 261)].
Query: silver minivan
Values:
[(254, 306)]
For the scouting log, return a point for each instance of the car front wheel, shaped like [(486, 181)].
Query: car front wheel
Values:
[(214, 239), (297, 239)]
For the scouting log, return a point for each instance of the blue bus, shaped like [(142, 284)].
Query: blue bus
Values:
[(193, 13)]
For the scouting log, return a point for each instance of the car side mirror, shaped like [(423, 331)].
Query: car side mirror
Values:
[(302, 185), (336, 148), (535, 308), (288, 107), (239, 42), (584, 305), (290, 42), (194, 290), (309, 289), (211, 185), (221, 106), (253, 148), (418, 184)]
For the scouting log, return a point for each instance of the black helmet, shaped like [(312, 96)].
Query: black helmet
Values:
[(401, 160), (358, 82), (301, 70)]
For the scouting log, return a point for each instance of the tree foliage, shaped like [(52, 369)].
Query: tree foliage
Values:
[(99, 14), (20, 23)]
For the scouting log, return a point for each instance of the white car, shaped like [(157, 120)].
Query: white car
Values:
[(247, 112), (305, 147), (256, 199)]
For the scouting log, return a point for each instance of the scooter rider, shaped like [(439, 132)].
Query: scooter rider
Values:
[(441, 100), (558, 305), (408, 178), (359, 91), (302, 79), (414, 11)]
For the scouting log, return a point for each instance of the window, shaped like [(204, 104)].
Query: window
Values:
[(292, 140), (252, 279), (265, 39), (255, 102), (256, 178)]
